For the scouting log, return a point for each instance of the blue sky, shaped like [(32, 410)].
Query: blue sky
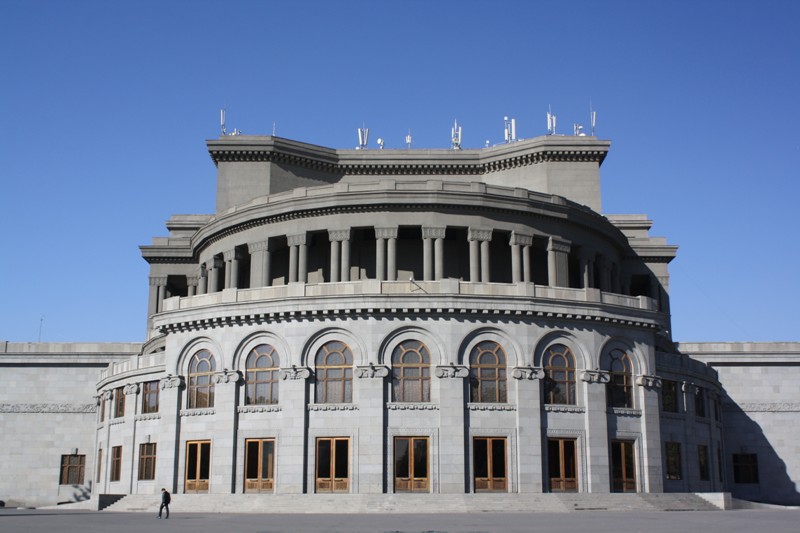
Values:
[(106, 107)]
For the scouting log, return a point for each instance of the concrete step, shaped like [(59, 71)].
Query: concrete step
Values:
[(412, 503)]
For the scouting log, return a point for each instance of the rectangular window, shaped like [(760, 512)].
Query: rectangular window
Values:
[(119, 402), (198, 466), (333, 465), (116, 463), (673, 458), (700, 402), (72, 469), (99, 464), (411, 464), (745, 468), (669, 396), (147, 461), (562, 465), (259, 465), (702, 462), (489, 464), (150, 397)]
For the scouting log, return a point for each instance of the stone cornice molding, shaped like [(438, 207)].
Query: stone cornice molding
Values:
[(411, 406), (198, 412), (451, 371), (626, 411), (527, 372), (520, 239), (563, 408), (226, 376), (131, 388), (595, 376), (372, 371), (170, 382), (433, 233), (260, 408), (479, 234), (147, 416), (332, 407), (477, 406), (77, 408), (296, 240), (294, 373), (338, 235), (261, 246), (649, 382)]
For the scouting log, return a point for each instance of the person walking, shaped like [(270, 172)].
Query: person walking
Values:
[(165, 499)]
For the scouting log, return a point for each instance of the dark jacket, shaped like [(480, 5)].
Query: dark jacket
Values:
[(165, 498)]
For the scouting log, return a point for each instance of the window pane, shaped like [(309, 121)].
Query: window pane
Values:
[(401, 457), (205, 460), (420, 458), (324, 458), (498, 458), (252, 459), (480, 454), (267, 459), (342, 458)]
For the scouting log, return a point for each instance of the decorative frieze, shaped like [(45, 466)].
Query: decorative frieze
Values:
[(411, 406), (372, 371), (626, 411), (294, 372), (520, 239), (451, 371), (116, 421), (479, 234), (296, 240), (388, 233), (158, 281), (197, 412), (559, 408), (527, 372), (332, 407), (433, 233), (650, 382), (343, 234), (491, 407), (264, 408), (147, 416), (595, 376), (48, 408)]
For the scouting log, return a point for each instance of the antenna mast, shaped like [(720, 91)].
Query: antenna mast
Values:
[(222, 121), (455, 136)]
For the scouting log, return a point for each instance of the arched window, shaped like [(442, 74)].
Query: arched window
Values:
[(411, 372), (201, 388), (261, 375), (559, 368), (487, 365), (619, 390), (334, 368)]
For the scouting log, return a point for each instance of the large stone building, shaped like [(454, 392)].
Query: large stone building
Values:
[(381, 321)]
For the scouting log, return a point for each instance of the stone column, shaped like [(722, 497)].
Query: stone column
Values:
[(213, 267), (586, 260), (648, 388), (433, 241), (452, 426), (427, 257), (260, 259), (231, 269), (302, 262), (474, 261), (156, 294), (202, 287), (291, 446), (517, 242), (380, 256), (223, 450), (596, 425), (346, 255), (166, 434), (529, 422), (485, 274), (557, 262), (479, 253), (389, 238), (297, 257), (526, 263), (191, 285), (370, 434), (335, 257)]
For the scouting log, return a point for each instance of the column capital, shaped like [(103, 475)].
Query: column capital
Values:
[(372, 371), (226, 376), (131, 388), (595, 376), (451, 371), (555, 244), (520, 239), (159, 281), (527, 372), (295, 373), (479, 234), (214, 262), (433, 233), (261, 246), (296, 240), (387, 233), (339, 234), (649, 382), (191, 281)]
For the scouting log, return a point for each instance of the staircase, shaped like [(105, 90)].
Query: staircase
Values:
[(412, 503)]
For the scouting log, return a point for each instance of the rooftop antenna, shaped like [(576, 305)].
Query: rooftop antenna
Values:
[(363, 138), (551, 122), (592, 117), (510, 133), (455, 136), (577, 130), (408, 139), (222, 121), (380, 143), (273, 128), (41, 321)]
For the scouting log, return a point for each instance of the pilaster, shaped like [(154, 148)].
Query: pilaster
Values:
[(596, 424), (452, 446), (529, 423)]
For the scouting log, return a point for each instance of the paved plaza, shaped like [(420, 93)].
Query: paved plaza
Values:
[(36, 521)]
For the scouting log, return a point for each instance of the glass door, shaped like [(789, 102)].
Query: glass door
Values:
[(333, 465), (198, 466), (411, 464), (489, 464)]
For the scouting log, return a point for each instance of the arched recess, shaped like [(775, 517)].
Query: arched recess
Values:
[(639, 362), (318, 339), (287, 359), (583, 359), (512, 350), (390, 342), (194, 346)]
